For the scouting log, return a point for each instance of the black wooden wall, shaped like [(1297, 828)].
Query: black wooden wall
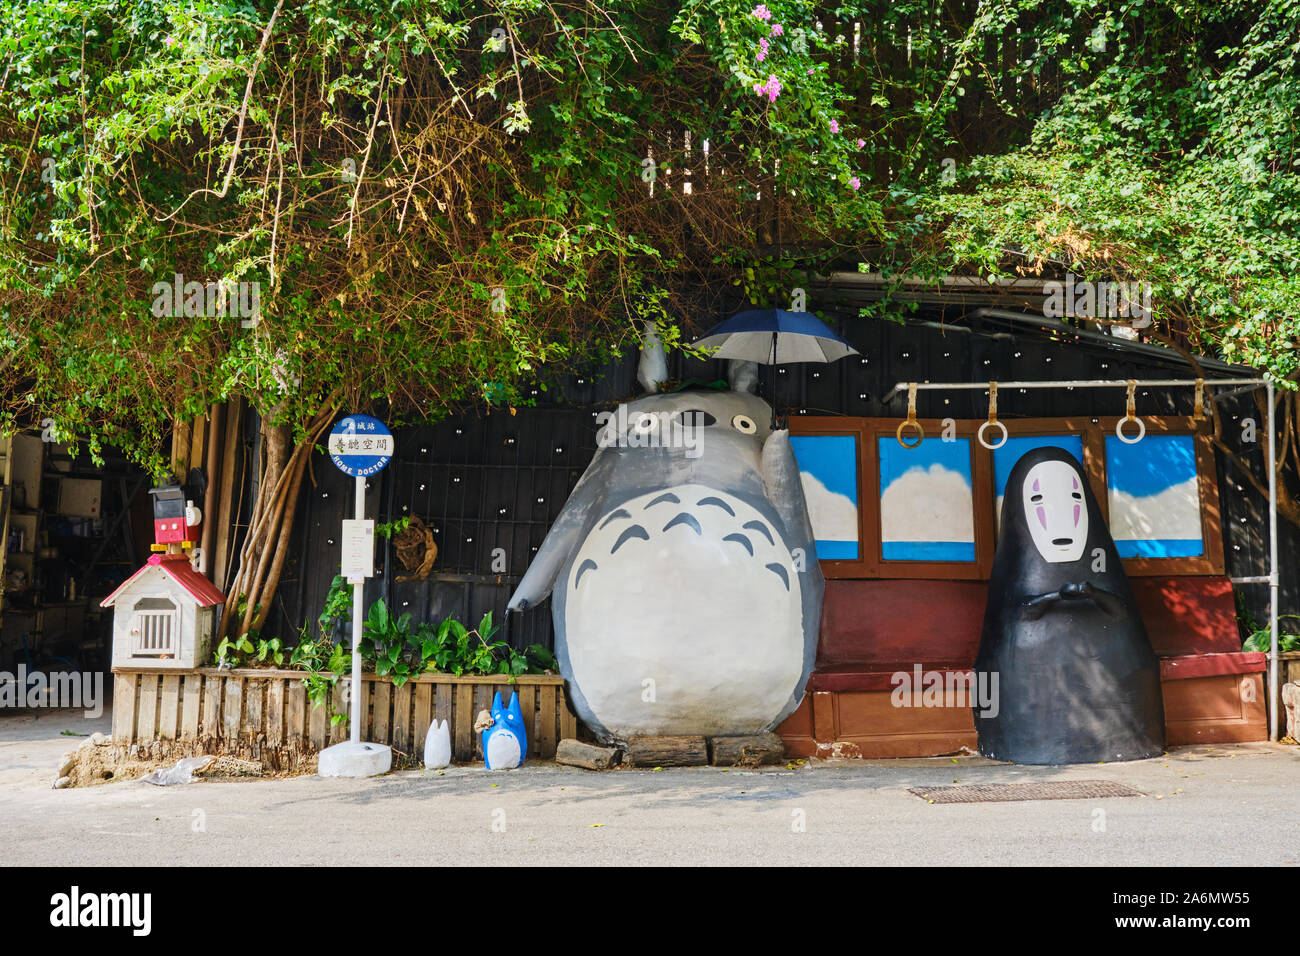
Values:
[(489, 480)]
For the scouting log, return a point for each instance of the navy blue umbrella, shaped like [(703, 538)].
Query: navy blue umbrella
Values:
[(769, 336)]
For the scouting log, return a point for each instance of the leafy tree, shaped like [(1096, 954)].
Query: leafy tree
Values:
[(438, 203)]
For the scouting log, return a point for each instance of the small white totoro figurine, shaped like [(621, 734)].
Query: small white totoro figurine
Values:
[(437, 746)]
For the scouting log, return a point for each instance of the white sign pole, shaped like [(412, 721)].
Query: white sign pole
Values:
[(360, 446), (358, 611)]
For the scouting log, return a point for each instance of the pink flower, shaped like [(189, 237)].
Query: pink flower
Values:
[(772, 88), (835, 126), (762, 49), (777, 29), (855, 183), (762, 12), (861, 143)]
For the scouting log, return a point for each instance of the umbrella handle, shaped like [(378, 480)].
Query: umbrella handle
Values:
[(911, 420)]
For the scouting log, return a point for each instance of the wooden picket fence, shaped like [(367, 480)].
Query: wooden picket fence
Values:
[(265, 714)]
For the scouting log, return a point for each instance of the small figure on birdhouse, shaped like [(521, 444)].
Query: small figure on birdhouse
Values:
[(175, 518)]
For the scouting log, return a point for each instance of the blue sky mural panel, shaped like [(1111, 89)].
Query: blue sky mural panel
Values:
[(828, 467), (926, 506), (1155, 505)]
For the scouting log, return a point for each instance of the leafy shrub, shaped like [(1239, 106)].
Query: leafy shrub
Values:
[(400, 652)]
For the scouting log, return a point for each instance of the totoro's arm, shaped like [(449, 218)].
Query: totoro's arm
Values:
[(565, 535), (784, 490)]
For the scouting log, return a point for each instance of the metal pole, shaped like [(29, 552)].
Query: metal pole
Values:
[(358, 613), (1272, 572), (1079, 383), (773, 425)]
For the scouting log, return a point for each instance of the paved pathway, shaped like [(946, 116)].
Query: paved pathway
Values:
[(1216, 805)]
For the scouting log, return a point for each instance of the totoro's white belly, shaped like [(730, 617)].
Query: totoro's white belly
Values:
[(503, 751), (684, 617)]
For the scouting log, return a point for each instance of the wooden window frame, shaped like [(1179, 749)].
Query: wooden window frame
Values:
[(1211, 560), (981, 487), (1093, 431), (812, 426)]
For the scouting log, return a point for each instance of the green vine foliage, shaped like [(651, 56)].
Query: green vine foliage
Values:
[(434, 204), (1154, 141), (430, 203)]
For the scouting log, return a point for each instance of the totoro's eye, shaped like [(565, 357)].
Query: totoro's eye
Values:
[(645, 423), (744, 424), (695, 418)]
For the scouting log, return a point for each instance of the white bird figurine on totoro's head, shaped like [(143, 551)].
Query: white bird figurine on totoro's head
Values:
[(683, 575)]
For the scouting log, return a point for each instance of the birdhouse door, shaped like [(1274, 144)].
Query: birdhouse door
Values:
[(155, 628)]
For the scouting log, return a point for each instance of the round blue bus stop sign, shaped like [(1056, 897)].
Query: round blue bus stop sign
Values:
[(361, 446)]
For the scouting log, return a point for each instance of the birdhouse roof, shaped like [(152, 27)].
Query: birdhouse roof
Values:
[(179, 569)]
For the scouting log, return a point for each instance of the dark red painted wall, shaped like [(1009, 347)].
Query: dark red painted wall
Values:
[(888, 625)]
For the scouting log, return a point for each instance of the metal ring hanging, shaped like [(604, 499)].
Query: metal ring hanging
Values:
[(1130, 415), (993, 420), (911, 420)]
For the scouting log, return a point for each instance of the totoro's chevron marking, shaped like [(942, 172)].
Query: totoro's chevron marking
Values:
[(636, 531)]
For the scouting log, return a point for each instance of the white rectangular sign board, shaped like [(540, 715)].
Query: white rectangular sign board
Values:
[(358, 550), (377, 446)]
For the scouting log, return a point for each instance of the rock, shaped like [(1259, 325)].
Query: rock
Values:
[(63, 783), (668, 751), (1291, 701), (354, 760), (574, 753), (749, 751), (99, 740), (69, 764)]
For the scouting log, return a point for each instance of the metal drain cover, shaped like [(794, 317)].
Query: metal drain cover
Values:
[(1049, 790)]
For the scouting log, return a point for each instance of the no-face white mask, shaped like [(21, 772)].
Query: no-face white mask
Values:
[(1056, 511)]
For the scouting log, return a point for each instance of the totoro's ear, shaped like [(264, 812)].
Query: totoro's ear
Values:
[(742, 375), (652, 371), (514, 704), (496, 702)]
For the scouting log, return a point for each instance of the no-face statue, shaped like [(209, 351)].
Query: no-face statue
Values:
[(1077, 679), (684, 583)]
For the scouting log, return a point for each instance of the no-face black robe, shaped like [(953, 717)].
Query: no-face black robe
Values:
[(1077, 680)]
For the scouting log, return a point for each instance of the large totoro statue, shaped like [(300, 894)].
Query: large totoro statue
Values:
[(1078, 681), (684, 582)]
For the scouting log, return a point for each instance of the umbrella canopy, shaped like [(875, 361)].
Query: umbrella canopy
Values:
[(775, 336)]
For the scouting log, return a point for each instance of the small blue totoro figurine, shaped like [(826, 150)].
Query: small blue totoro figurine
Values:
[(505, 743)]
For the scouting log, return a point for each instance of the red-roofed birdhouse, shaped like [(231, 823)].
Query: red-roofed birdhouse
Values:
[(164, 615)]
